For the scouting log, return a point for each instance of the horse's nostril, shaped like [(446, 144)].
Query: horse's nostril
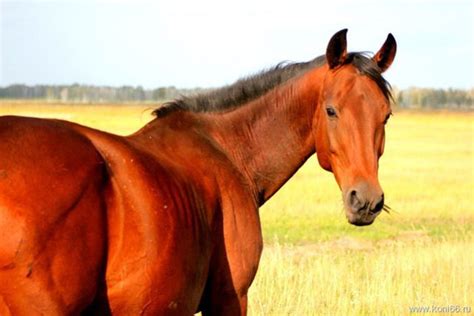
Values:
[(354, 200), (378, 207)]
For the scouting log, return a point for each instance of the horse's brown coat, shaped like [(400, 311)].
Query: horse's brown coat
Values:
[(165, 221)]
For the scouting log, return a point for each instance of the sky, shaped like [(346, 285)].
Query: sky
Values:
[(210, 43)]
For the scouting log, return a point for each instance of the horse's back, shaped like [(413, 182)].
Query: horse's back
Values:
[(51, 217)]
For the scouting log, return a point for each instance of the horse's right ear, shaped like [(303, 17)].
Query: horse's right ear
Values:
[(336, 52), (386, 54)]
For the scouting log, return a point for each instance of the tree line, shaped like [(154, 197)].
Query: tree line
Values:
[(434, 98), (406, 98), (92, 94)]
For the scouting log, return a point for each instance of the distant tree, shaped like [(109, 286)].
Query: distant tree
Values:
[(407, 98)]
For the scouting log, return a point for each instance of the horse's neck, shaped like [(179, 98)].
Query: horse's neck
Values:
[(270, 138)]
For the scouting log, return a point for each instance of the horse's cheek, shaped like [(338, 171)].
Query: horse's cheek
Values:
[(322, 147), (324, 162), (322, 152)]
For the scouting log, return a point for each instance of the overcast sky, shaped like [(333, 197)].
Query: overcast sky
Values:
[(210, 43)]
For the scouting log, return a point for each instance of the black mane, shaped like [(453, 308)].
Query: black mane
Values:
[(252, 87)]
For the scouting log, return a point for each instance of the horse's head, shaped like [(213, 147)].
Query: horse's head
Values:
[(349, 127)]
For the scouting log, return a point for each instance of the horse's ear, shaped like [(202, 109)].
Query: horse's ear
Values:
[(337, 49), (386, 54)]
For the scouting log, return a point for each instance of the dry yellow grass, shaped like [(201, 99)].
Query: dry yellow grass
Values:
[(385, 279), (314, 263)]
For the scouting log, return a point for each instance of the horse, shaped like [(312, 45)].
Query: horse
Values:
[(165, 221)]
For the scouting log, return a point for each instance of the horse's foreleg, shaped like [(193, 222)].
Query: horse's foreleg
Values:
[(226, 304)]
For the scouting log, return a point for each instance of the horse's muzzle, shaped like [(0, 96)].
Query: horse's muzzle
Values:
[(363, 204)]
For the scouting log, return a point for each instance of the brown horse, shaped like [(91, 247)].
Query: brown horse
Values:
[(165, 221)]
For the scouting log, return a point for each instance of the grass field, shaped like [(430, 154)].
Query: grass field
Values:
[(314, 262)]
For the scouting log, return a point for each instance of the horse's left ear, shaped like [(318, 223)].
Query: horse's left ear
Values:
[(386, 54)]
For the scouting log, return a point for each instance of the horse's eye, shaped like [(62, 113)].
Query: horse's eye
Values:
[(331, 112)]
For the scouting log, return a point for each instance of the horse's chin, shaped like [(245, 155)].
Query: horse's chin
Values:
[(360, 223), (359, 219)]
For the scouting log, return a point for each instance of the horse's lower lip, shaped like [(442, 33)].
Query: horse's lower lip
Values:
[(361, 222), (361, 219)]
